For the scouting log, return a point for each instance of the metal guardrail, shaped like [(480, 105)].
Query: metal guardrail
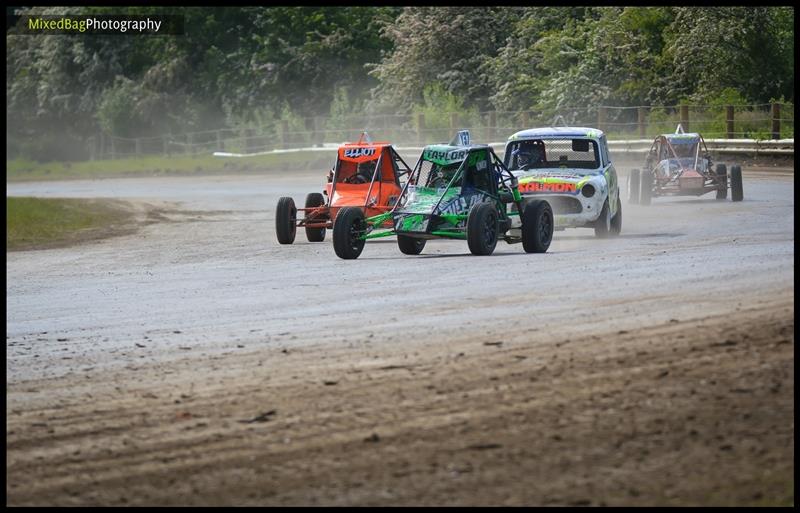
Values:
[(781, 147)]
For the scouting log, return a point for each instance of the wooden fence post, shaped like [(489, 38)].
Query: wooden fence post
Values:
[(526, 118), (492, 126), (249, 135), (420, 128), (138, 147), (113, 148), (284, 133), (776, 120), (685, 117), (220, 141), (729, 133), (315, 136), (454, 121)]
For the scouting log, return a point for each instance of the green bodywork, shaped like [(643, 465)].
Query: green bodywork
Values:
[(430, 212)]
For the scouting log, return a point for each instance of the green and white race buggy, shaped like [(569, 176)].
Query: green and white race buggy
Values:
[(456, 191)]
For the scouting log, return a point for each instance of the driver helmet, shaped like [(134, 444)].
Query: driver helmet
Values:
[(366, 169), (523, 158), (528, 155)]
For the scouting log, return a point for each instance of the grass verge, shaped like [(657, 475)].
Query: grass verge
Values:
[(26, 170), (39, 223)]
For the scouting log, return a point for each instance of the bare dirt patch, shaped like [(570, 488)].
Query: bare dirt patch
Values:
[(683, 413)]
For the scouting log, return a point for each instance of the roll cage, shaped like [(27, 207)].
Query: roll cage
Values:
[(663, 148), (384, 170), (494, 179)]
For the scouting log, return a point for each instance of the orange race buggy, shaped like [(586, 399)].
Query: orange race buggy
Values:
[(366, 175)]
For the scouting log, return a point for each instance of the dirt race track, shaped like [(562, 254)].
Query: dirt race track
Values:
[(197, 362)]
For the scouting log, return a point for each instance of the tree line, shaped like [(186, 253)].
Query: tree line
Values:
[(241, 65)]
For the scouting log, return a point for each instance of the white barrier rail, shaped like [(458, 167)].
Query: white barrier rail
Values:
[(780, 147)]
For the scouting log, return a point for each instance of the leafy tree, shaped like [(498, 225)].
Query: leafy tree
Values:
[(451, 46), (747, 48)]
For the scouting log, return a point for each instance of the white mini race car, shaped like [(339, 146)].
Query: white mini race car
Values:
[(569, 167)]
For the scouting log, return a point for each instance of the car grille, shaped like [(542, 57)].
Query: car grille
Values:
[(564, 205), (560, 205)]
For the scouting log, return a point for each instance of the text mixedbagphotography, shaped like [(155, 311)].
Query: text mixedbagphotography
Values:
[(83, 24)]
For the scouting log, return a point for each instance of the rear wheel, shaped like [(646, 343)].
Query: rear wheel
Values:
[(602, 227), (633, 186), (537, 226), (646, 188), (722, 177), (314, 200), (347, 231), (286, 220), (482, 229), (737, 193)]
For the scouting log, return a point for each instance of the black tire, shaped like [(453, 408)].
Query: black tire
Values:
[(722, 171), (347, 228), (616, 221), (646, 189), (537, 226), (410, 245), (633, 186), (286, 220), (313, 200), (737, 193), (602, 227), (482, 229)]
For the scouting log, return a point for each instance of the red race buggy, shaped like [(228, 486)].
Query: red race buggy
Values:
[(367, 175), (679, 164)]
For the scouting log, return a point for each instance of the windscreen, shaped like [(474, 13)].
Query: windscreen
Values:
[(431, 186), (435, 175), (574, 153), (354, 172), (684, 148)]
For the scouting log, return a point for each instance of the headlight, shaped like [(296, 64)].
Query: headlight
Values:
[(588, 190)]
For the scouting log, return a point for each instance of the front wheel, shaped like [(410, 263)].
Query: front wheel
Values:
[(348, 229), (616, 221), (482, 229), (314, 200), (602, 227), (633, 187), (537, 226), (647, 188), (722, 177), (410, 245), (286, 220), (737, 193)]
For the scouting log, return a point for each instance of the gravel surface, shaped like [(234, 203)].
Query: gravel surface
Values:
[(197, 361)]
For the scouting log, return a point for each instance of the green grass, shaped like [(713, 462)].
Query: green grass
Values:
[(33, 223), (27, 170)]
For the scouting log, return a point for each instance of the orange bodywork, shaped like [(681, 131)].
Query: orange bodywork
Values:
[(375, 197)]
